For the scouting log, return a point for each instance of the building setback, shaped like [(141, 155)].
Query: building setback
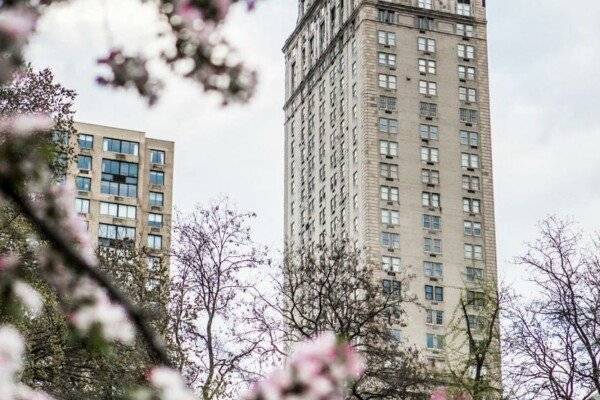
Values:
[(388, 144), (124, 186)]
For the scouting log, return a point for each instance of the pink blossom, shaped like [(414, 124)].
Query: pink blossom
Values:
[(8, 262), (26, 124), (110, 317), (17, 23), (440, 394), (222, 8), (318, 370), (73, 225), (12, 348)]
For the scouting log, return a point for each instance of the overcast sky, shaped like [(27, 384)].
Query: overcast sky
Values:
[(545, 85)]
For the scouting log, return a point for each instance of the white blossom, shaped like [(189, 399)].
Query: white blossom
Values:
[(169, 384), (110, 317), (28, 296)]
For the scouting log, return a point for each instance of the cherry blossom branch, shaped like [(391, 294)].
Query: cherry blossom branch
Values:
[(81, 266)]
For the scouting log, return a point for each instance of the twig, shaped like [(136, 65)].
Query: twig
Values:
[(79, 265)]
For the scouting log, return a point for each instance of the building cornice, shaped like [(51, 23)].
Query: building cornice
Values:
[(325, 55), (382, 3)]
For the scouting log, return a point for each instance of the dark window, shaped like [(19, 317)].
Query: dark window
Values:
[(387, 16), (425, 23), (119, 178), (392, 287)]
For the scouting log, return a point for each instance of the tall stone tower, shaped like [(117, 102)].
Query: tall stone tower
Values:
[(388, 144)]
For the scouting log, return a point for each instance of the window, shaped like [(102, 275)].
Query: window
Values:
[(430, 177), (387, 103), (83, 184), (390, 264), (427, 4), (428, 110), (467, 94), (469, 160), (157, 157), (157, 178), (475, 299), (389, 171), (472, 228), (474, 274), (466, 51), (155, 220), (468, 116), (387, 59), (390, 217), (154, 263), (387, 125), (387, 16), (387, 81), (472, 206), (431, 199), (392, 288), (119, 178), (386, 38), (470, 183), (118, 210), (432, 222), (435, 342), (464, 30), (429, 154), (121, 146), (85, 141), (390, 240), (82, 206), (156, 199), (463, 7), (469, 138), (428, 132), (433, 269), (387, 148), (432, 246), (155, 242), (109, 233), (426, 66), (426, 44), (476, 323), (435, 317), (428, 88), (466, 73), (473, 252), (84, 162), (389, 193), (425, 24), (434, 293)]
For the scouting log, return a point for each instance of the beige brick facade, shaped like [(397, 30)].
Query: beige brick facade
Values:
[(334, 133), (127, 190)]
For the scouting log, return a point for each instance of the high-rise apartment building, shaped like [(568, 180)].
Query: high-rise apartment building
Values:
[(124, 186), (388, 144)]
